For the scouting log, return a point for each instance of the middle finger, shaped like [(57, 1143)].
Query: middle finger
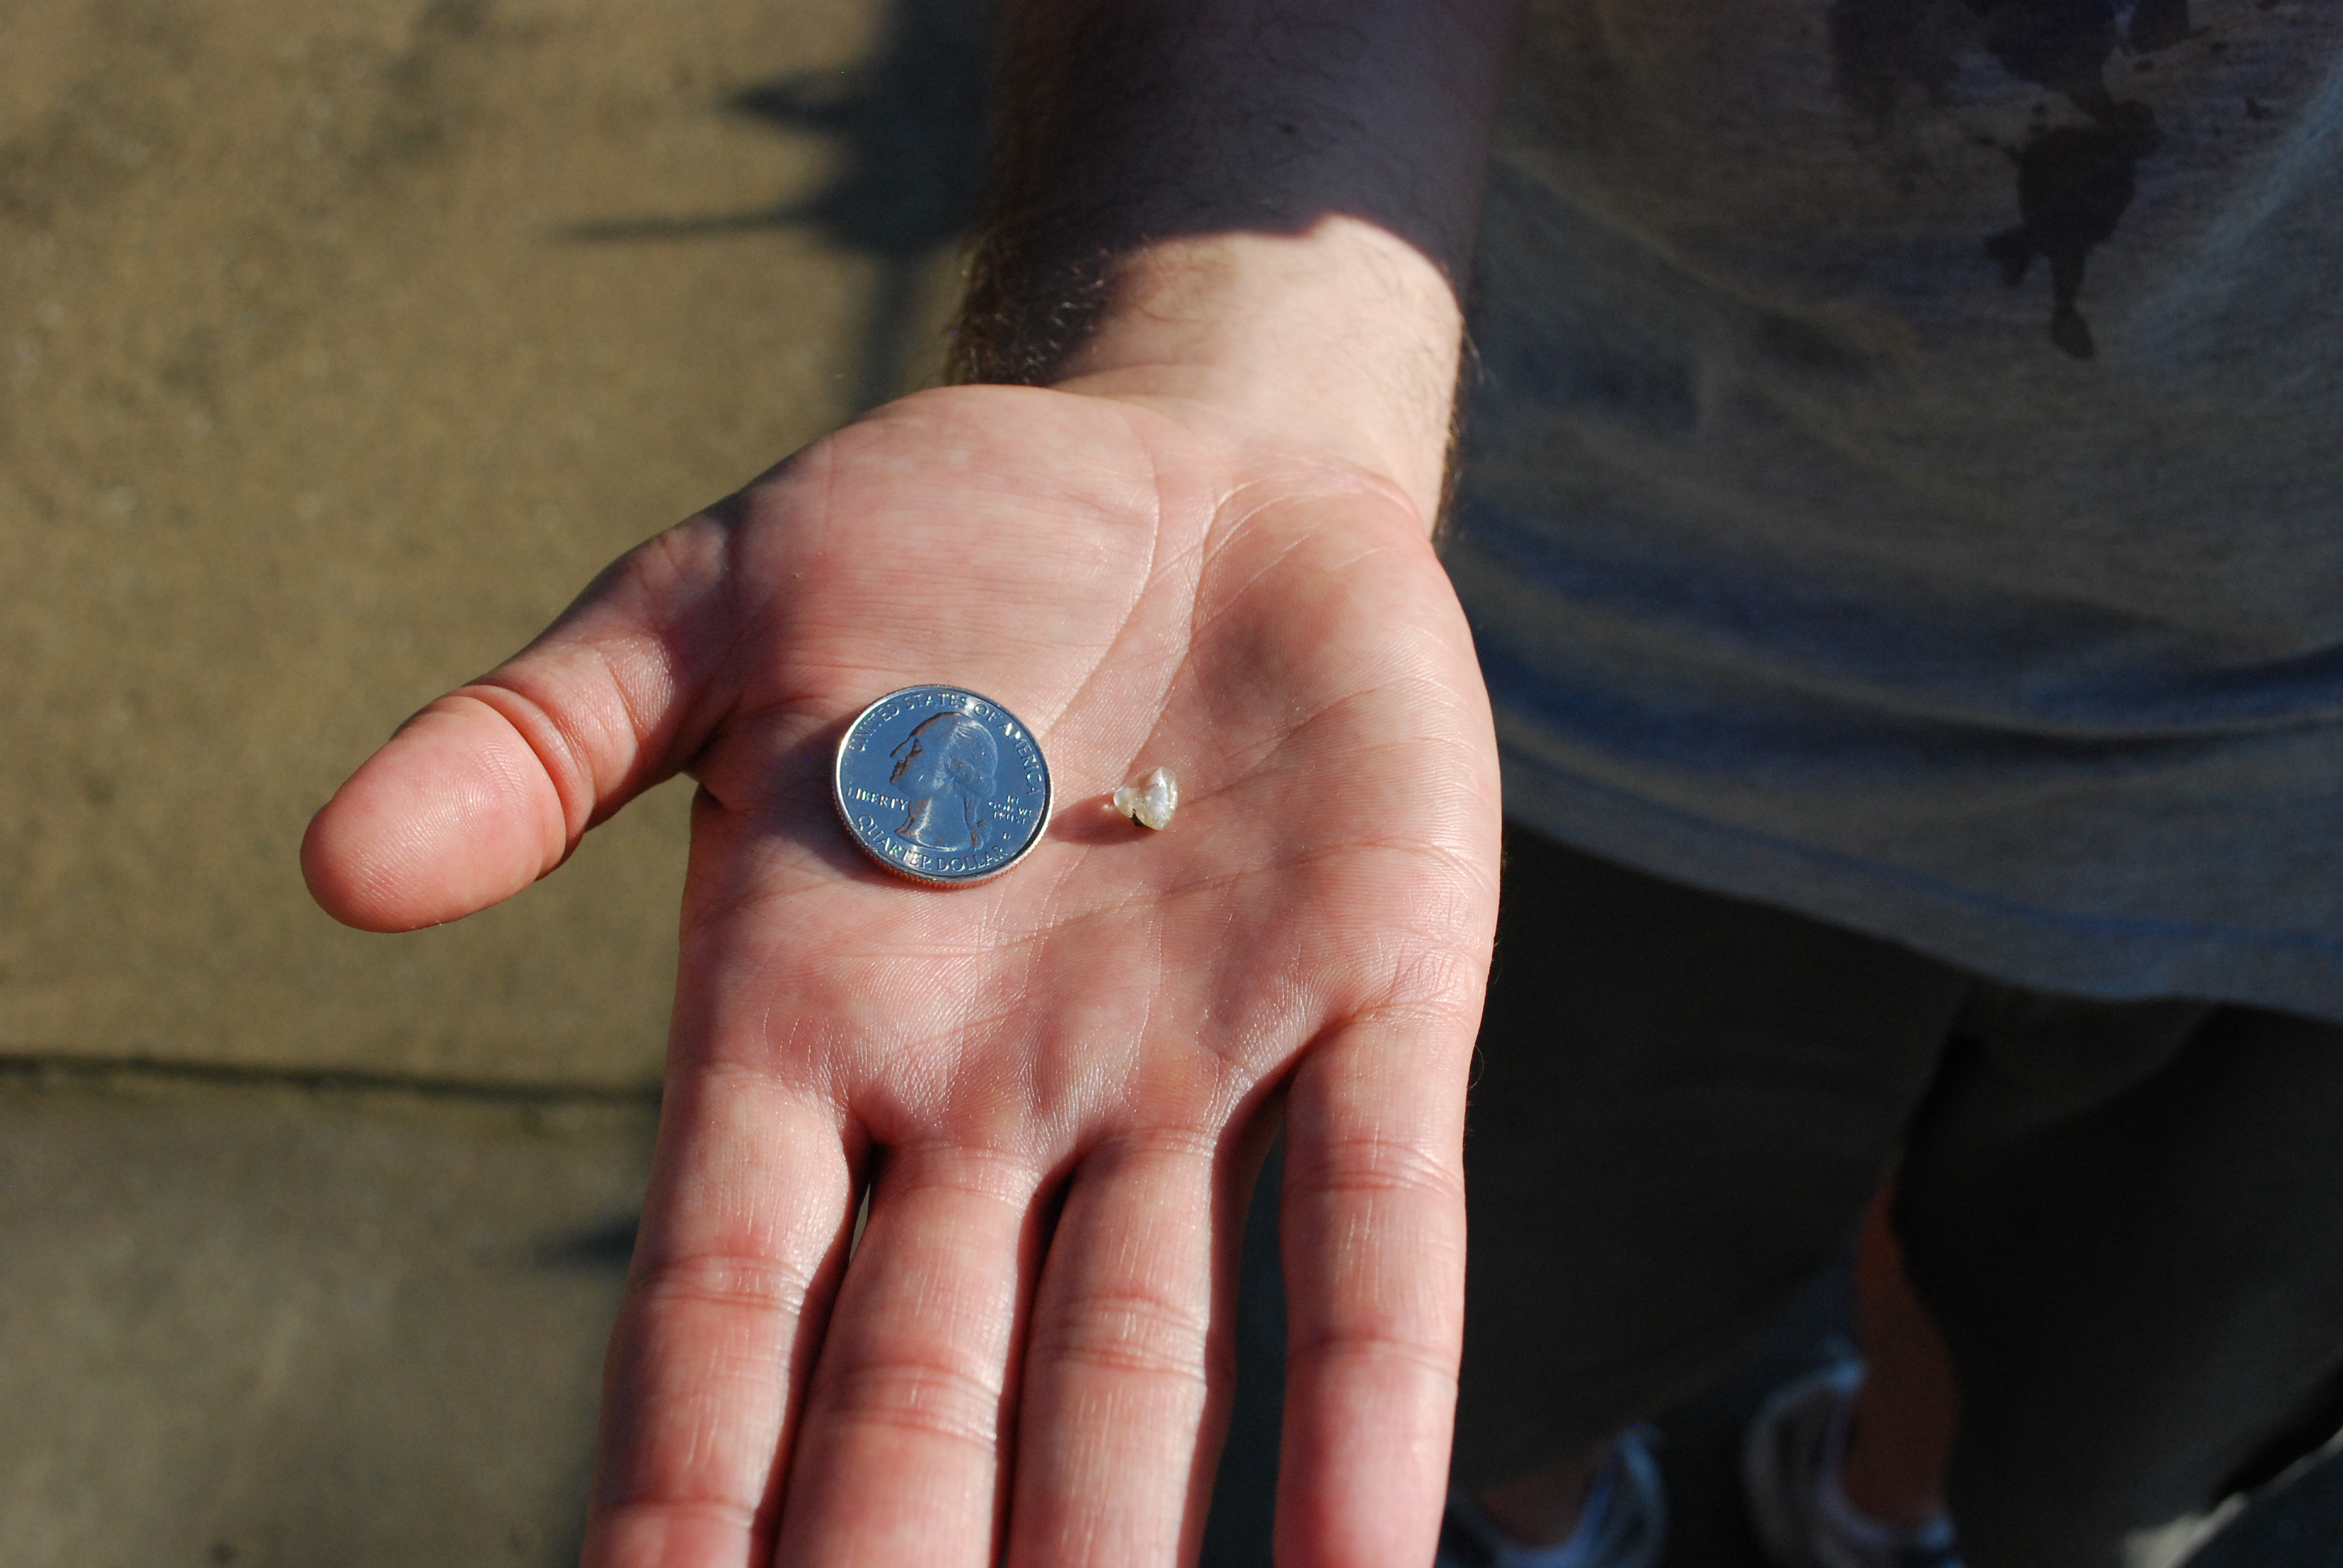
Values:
[(1119, 1369), (900, 1456)]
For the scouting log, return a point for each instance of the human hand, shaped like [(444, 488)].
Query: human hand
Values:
[(1053, 1082)]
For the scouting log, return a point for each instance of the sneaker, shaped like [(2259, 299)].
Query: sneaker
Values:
[(1789, 1470), (1623, 1525)]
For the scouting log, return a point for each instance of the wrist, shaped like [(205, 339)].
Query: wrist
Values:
[(1343, 339), (1257, 206)]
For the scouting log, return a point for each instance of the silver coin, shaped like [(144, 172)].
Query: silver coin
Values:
[(941, 785)]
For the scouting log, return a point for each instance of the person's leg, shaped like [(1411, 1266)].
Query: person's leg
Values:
[(2127, 1236), (1899, 1441), (1544, 1506), (1683, 1102), (1844, 1465)]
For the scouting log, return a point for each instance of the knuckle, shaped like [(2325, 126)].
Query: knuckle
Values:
[(739, 1280), (1354, 1347), (930, 1398), (1365, 1164), (727, 1514), (1129, 1331)]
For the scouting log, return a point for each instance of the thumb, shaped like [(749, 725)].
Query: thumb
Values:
[(492, 785)]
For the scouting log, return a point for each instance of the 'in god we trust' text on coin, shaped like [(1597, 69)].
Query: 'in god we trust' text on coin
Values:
[(941, 785)]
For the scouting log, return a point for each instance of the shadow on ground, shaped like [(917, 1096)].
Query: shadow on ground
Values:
[(908, 129)]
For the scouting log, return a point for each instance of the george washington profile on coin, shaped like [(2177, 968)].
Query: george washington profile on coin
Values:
[(946, 767), (940, 785)]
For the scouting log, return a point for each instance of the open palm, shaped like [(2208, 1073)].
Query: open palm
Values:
[(1049, 1083)]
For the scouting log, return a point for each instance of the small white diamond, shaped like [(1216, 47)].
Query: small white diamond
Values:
[(1151, 798)]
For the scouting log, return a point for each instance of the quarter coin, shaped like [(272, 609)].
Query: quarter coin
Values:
[(940, 785)]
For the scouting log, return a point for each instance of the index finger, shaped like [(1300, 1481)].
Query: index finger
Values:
[(744, 1236)]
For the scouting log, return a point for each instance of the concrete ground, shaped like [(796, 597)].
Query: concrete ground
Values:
[(275, 1322), (339, 346)]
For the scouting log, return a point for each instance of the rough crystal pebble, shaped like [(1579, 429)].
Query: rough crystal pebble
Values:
[(1151, 798)]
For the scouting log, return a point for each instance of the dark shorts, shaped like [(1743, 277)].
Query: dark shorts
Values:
[(2125, 1218)]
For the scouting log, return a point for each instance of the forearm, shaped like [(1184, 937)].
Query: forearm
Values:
[(1263, 206)]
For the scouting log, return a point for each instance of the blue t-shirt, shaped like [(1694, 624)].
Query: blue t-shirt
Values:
[(1902, 479)]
